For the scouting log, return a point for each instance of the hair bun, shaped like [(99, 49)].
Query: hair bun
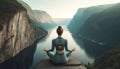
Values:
[(59, 30), (59, 27)]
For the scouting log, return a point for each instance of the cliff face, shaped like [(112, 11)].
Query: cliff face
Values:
[(38, 26), (16, 34), (40, 18), (28, 9), (99, 31), (103, 26), (83, 14), (16, 30)]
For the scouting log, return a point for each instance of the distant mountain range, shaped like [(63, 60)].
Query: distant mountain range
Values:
[(62, 21), (44, 18)]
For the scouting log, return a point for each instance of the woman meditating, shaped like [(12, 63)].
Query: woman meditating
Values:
[(62, 52)]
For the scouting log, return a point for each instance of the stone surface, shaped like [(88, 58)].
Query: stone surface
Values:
[(72, 64)]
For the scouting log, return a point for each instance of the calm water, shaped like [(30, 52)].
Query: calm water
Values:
[(80, 54)]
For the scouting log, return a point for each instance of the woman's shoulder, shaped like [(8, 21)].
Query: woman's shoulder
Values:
[(54, 39), (64, 39)]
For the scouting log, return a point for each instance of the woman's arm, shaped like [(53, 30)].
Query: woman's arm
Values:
[(53, 46), (66, 46)]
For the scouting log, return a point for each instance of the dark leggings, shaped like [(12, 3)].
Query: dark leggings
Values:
[(55, 57), (51, 55)]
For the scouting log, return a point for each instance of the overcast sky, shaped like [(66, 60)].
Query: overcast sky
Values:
[(64, 8)]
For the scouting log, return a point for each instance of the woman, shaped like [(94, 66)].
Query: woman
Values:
[(60, 44)]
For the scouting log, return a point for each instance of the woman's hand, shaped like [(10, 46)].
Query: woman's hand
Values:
[(74, 49), (44, 49)]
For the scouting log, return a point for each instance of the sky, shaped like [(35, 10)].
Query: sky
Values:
[(64, 8)]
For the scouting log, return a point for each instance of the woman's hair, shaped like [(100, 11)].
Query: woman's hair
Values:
[(59, 30)]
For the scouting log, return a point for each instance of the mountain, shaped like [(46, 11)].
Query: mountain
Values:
[(103, 26), (40, 18), (44, 18), (100, 31), (17, 31), (83, 14)]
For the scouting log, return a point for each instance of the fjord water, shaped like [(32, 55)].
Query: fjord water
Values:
[(79, 54)]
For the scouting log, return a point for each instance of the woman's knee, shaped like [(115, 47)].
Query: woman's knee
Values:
[(51, 55)]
